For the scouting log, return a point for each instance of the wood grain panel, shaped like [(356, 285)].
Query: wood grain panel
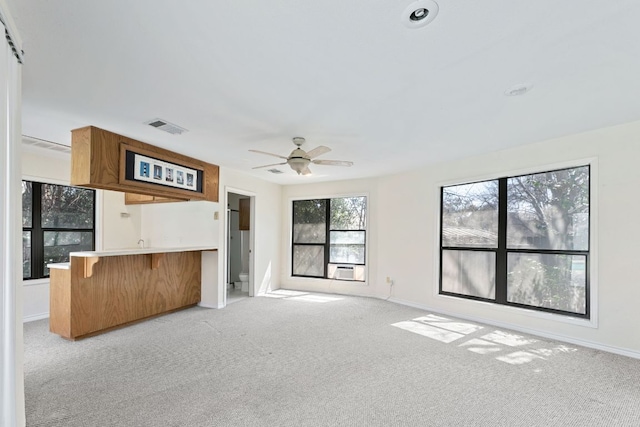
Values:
[(60, 302), (245, 214), (81, 157), (95, 160), (122, 290), (141, 199)]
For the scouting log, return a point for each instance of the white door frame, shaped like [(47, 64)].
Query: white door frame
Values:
[(252, 231)]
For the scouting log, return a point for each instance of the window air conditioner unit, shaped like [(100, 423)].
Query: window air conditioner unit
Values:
[(344, 272)]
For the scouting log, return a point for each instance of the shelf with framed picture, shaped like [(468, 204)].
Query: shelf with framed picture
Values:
[(105, 160)]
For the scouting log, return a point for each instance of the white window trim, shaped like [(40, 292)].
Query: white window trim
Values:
[(592, 322)]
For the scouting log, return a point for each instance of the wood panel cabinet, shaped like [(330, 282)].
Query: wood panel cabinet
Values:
[(98, 161), (141, 199), (245, 214), (100, 293)]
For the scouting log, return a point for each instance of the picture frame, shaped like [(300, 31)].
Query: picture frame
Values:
[(146, 169)]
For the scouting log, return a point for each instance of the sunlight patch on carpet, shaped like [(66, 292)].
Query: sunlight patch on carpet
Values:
[(447, 330), (518, 358), (479, 346), (314, 298), (505, 338), (429, 331)]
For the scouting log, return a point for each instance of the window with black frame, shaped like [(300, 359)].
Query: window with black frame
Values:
[(328, 232), (56, 220), (520, 241)]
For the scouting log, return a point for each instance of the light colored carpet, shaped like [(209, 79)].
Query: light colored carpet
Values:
[(322, 360)]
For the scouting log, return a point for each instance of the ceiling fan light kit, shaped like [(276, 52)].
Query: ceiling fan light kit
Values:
[(299, 164), (299, 159), (420, 13)]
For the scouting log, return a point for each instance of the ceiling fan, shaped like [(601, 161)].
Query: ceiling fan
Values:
[(299, 159)]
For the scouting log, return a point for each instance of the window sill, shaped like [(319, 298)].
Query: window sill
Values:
[(324, 281), (35, 282)]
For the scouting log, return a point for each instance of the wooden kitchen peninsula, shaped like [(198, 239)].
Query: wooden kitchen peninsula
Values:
[(99, 291)]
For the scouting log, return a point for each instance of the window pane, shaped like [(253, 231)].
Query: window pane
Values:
[(469, 273), (309, 221), (66, 207), (26, 254), (27, 204), (308, 260), (545, 280), (470, 215), (345, 237), (549, 210), (346, 254), (349, 213), (347, 247), (58, 244)]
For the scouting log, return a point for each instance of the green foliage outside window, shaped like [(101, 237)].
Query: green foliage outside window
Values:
[(56, 220)]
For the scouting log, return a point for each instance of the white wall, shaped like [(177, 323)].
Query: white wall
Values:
[(44, 166), (121, 224), (408, 238), (180, 224), (403, 233)]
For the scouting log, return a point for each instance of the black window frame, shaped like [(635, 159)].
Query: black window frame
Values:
[(502, 250), (37, 231), (327, 243)]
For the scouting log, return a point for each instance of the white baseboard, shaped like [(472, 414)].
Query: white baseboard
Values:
[(584, 343), (35, 317), (205, 305)]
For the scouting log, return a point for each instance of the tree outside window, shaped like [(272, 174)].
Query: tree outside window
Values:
[(328, 231), (56, 220), (520, 240)]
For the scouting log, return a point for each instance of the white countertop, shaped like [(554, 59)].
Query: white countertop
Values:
[(140, 251), (59, 265)]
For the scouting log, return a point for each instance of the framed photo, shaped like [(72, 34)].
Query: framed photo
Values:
[(141, 168)]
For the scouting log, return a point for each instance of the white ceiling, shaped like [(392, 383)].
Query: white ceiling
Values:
[(251, 74)]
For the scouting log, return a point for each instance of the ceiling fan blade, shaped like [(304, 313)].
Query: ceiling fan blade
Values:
[(332, 162), (318, 151), (305, 171), (268, 154), (266, 166)]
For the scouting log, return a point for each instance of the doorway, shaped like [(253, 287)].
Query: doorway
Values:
[(239, 242)]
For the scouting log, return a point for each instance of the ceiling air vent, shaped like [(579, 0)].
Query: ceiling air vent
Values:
[(166, 126), (276, 171), (30, 141)]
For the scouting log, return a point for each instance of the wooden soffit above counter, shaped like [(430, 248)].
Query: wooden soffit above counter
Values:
[(108, 161)]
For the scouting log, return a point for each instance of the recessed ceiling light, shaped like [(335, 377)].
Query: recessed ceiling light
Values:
[(517, 90), (419, 13)]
